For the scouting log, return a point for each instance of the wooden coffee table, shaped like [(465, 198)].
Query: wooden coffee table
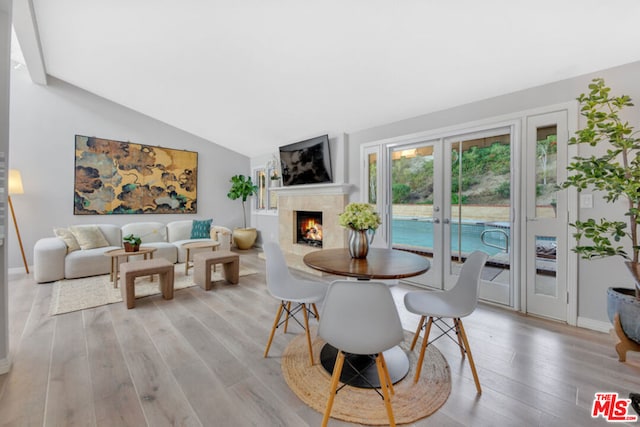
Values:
[(197, 245), (116, 254)]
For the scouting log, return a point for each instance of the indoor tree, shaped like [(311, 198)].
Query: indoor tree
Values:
[(242, 187), (615, 172)]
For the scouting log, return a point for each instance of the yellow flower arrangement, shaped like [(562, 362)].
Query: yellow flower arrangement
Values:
[(359, 216)]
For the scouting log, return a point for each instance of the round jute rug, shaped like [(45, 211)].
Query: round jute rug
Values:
[(359, 405)]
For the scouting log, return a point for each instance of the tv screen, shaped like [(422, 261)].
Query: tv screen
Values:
[(306, 162)]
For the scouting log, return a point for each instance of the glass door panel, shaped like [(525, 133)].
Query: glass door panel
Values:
[(415, 218), (480, 210), (546, 283), (372, 178), (412, 198), (546, 231), (546, 171)]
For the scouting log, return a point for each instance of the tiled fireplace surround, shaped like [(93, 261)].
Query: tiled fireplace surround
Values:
[(330, 199)]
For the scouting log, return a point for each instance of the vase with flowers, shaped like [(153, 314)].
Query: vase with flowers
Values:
[(362, 222)]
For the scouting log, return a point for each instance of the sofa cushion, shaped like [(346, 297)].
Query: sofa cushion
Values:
[(149, 232), (88, 262), (179, 230), (69, 239), (48, 259), (89, 236), (201, 229)]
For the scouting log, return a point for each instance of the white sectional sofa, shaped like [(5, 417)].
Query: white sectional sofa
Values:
[(54, 260)]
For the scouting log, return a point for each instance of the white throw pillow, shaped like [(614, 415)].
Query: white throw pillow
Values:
[(89, 236), (68, 238)]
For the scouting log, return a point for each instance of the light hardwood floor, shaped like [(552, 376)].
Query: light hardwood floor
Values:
[(197, 360)]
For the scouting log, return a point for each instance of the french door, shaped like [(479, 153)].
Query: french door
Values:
[(493, 189), (450, 196)]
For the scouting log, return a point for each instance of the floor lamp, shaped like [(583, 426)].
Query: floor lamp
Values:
[(15, 187)]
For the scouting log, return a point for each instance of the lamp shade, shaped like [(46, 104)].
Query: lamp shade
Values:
[(15, 182)]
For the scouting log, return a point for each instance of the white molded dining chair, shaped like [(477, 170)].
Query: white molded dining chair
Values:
[(360, 317), (456, 303), (288, 289)]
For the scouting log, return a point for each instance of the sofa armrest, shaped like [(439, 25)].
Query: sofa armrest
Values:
[(222, 235), (48, 259)]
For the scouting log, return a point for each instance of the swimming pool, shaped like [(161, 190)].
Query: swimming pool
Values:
[(415, 232)]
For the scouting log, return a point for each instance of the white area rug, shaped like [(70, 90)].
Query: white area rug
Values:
[(78, 294)]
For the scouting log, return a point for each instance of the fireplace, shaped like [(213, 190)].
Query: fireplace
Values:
[(309, 228), (327, 199)]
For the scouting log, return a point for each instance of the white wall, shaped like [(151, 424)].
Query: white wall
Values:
[(594, 276), (44, 122)]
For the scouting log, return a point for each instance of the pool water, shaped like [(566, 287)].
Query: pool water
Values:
[(419, 233)]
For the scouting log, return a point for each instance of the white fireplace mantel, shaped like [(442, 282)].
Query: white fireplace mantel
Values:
[(315, 189)]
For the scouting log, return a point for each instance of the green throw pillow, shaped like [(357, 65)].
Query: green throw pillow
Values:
[(201, 229)]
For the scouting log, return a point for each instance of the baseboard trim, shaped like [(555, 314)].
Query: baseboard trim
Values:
[(595, 325), (5, 365)]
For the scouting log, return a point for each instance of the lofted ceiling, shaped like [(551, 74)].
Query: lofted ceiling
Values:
[(251, 75)]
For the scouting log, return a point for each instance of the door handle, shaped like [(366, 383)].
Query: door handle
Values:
[(445, 221), (436, 220)]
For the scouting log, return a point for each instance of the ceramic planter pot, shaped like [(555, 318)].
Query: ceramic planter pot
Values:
[(624, 302), (129, 247), (244, 238)]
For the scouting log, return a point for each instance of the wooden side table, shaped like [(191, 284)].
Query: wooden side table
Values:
[(197, 245), (116, 254), (133, 269)]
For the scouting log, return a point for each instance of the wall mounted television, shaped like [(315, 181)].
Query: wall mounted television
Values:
[(306, 162)]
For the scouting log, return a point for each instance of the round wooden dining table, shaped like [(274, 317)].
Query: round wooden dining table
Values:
[(380, 264)]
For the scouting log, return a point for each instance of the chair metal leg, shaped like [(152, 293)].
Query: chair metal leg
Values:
[(273, 328), (417, 334), (423, 348), (315, 311), (383, 374), (306, 329), (468, 350), (462, 349), (286, 321), (335, 378)]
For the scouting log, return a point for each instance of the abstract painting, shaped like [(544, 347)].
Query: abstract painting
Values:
[(114, 177)]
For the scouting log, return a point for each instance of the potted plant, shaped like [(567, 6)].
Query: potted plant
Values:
[(275, 179), (615, 173), (241, 188), (362, 222), (131, 243)]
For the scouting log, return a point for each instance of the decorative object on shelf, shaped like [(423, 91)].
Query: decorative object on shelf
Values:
[(362, 222), (616, 173), (275, 179), (273, 166), (131, 243), (241, 188), (15, 187)]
